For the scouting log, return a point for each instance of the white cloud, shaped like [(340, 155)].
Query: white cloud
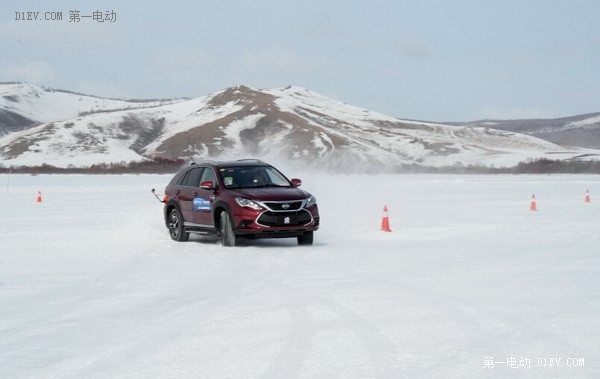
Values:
[(36, 72), (102, 89), (410, 47), (49, 36), (277, 59), (493, 113), (182, 59), (182, 67)]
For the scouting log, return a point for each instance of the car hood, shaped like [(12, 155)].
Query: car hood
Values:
[(272, 193)]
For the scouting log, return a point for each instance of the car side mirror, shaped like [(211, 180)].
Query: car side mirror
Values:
[(208, 185), (296, 182)]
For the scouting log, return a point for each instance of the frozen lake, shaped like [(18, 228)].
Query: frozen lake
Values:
[(469, 283)]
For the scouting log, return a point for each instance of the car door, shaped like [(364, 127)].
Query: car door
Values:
[(204, 200), (188, 191)]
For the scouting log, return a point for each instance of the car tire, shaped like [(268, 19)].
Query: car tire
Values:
[(227, 236), (306, 238), (175, 224)]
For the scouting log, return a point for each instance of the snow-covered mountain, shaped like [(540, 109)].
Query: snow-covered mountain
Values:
[(581, 130), (289, 123), (23, 105)]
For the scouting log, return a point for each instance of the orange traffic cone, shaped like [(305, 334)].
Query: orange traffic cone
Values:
[(533, 206), (385, 221), (39, 197), (587, 196)]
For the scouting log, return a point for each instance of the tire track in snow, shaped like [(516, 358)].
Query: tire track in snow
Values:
[(485, 324), (299, 346), (171, 328)]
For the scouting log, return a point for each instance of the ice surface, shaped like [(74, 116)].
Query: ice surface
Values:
[(92, 286)]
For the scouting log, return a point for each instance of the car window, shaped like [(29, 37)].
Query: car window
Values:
[(192, 179), (277, 177), (182, 178), (231, 177), (208, 176), (252, 177)]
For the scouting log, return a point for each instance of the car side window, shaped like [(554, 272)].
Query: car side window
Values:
[(209, 176), (192, 179), (183, 178)]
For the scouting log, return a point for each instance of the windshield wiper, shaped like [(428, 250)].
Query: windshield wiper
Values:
[(270, 186)]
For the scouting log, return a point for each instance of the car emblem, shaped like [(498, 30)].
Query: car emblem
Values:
[(286, 220), (285, 206)]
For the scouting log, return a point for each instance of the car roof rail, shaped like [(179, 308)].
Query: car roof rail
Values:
[(250, 160), (203, 162)]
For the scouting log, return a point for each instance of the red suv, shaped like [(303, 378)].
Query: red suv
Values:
[(246, 198)]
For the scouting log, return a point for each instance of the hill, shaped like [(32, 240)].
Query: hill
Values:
[(292, 124)]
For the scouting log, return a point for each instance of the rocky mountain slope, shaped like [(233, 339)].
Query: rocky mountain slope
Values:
[(24, 105), (580, 131), (290, 123)]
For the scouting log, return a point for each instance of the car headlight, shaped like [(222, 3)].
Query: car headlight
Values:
[(311, 201), (247, 203)]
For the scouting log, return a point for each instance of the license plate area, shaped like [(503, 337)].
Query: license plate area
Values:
[(287, 220)]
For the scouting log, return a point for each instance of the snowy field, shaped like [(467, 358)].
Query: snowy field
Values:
[(92, 286)]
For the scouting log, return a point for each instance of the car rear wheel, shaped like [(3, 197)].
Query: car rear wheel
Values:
[(227, 236), (306, 238), (176, 226)]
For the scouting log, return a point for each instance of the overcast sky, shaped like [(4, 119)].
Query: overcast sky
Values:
[(426, 60)]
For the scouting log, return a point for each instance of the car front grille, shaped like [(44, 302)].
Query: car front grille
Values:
[(284, 206), (297, 218)]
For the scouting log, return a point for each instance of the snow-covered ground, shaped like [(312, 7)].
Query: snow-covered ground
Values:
[(92, 286)]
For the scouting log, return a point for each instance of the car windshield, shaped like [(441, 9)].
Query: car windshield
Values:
[(252, 177)]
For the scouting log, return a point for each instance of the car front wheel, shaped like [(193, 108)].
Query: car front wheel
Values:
[(227, 236), (175, 224), (305, 239)]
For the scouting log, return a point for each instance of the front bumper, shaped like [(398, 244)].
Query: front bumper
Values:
[(268, 222)]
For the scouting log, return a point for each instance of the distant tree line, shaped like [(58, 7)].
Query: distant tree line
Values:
[(537, 166), (165, 165), (150, 166)]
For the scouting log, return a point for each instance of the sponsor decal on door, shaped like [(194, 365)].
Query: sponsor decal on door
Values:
[(201, 204)]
